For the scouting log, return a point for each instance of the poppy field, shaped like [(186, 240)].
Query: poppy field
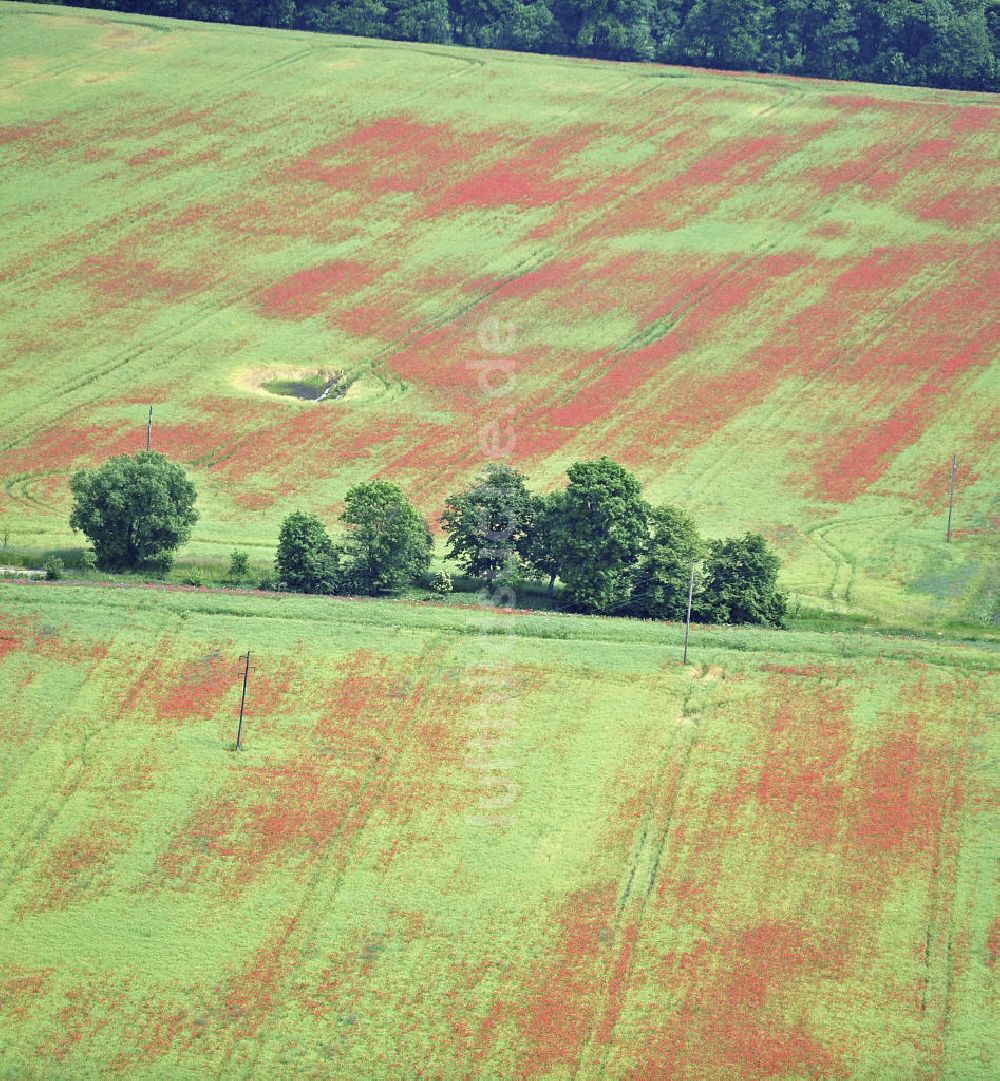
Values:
[(776, 862), (773, 299)]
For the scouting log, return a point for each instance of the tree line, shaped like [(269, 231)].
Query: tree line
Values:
[(613, 551), (943, 43)]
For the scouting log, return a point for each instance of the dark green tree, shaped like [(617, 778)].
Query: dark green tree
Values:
[(239, 565), (502, 24), (958, 51), (342, 16), (613, 29), (136, 510), (307, 560), (490, 523), (660, 588), (726, 33), (832, 41), (541, 551), (666, 20), (388, 543), (741, 583), (273, 13), (418, 20), (528, 24), (604, 524)]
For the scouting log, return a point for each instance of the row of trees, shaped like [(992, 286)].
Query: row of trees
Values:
[(136, 510), (613, 552), (386, 548), (948, 43)]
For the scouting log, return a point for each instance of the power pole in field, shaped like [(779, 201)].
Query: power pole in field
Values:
[(687, 625), (149, 428), (243, 697), (951, 495)]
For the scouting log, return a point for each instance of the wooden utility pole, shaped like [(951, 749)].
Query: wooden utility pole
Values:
[(243, 698), (951, 495), (149, 428), (687, 625)]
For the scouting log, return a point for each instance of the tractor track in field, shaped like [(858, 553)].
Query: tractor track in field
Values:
[(840, 589), (525, 264), (464, 64), (376, 361), (37, 735), (17, 487), (54, 802), (203, 314), (53, 72), (26, 283), (876, 330), (923, 284), (655, 331), (662, 326), (357, 815), (638, 885), (777, 407), (76, 15), (943, 901)]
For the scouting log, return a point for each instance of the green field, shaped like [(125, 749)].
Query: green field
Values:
[(470, 843), (459, 843), (774, 299)]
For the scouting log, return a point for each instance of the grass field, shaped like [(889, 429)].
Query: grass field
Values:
[(774, 299), (777, 862), (462, 843)]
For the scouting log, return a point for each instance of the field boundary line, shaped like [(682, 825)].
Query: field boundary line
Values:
[(631, 908)]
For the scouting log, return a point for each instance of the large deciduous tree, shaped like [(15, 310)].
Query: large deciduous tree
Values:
[(741, 583), (388, 544), (343, 17), (662, 579), (136, 510), (542, 550), (418, 20), (489, 524), (612, 29), (603, 526)]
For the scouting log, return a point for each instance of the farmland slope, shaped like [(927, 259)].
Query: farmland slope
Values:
[(468, 844), (774, 299)]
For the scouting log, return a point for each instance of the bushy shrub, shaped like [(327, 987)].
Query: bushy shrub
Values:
[(53, 567), (307, 561), (741, 583), (239, 565), (441, 583)]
